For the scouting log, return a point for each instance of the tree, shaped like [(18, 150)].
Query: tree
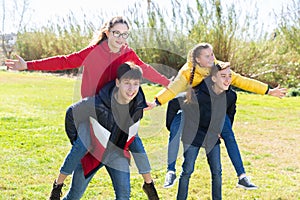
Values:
[(15, 14), (290, 25)]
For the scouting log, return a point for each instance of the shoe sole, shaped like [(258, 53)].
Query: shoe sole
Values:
[(246, 188), (169, 186)]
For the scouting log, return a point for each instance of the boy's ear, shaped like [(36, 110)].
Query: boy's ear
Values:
[(117, 82), (214, 79)]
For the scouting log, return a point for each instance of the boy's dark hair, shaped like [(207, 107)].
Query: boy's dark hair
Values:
[(129, 70), (218, 67)]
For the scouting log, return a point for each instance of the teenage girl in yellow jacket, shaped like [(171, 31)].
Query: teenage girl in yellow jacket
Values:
[(200, 59), (199, 62)]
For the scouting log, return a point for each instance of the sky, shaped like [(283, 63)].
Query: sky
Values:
[(42, 11)]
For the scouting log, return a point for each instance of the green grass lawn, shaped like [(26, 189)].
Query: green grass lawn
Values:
[(34, 144)]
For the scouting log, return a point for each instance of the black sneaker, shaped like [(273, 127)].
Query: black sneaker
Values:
[(246, 184), (170, 179), (150, 190), (56, 191)]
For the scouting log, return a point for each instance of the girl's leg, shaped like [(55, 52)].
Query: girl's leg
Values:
[(140, 156), (77, 151), (142, 162), (174, 140), (173, 148), (71, 161), (235, 156), (232, 147)]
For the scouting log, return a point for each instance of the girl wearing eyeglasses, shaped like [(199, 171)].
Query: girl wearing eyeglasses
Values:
[(100, 61)]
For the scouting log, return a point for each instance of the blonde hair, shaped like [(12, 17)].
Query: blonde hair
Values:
[(192, 55)]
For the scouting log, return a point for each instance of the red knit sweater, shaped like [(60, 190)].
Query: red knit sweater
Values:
[(100, 66)]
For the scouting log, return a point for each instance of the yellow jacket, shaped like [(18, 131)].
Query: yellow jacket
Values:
[(181, 82)]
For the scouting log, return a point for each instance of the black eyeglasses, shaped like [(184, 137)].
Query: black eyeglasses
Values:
[(117, 34)]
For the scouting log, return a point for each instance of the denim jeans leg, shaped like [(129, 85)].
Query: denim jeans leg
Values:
[(139, 155), (190, 154), (77, 151), (214, 161), (174, 140), (119, 172), (232, 147), (121, 182), (78, 185)]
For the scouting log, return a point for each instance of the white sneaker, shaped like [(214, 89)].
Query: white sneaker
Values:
[(170, 179), (246, 184)]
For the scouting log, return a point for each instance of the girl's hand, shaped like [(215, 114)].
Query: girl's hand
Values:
[(18, 64), (278, 92), (150, 105)]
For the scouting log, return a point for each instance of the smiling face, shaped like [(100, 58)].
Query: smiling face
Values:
[(206, 57), (127, 89), (222, 80), (117, 36)]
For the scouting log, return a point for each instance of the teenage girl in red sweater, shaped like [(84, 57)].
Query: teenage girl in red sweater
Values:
[(100, 61)]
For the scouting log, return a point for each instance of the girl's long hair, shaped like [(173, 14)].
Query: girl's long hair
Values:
[(193, 54), (101, 36)]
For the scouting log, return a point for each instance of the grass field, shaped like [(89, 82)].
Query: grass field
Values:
[(33, 144)]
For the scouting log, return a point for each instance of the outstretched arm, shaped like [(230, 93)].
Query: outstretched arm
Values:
[(18, 64), (256, 86), (277, 92)]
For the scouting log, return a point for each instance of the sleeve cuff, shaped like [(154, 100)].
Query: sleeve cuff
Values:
[(157, 102), (269, 87)]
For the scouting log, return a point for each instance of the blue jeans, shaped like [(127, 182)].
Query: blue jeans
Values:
[(80, 145), (227, 135), (232, 147), (78, 150), (174, 140), (118, 168), (190, 155), (139, 155)]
